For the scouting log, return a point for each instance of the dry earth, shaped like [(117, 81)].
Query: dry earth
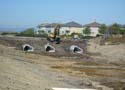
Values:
[(103, 68)]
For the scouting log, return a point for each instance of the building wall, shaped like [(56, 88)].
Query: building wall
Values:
[(71, 30), (47, 29), (76, 30), (94, 31), (63, 30)]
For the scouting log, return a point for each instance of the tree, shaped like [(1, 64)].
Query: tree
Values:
[(28, 32), (67, 32), (41, 32), (122, 32), (115, 29), (102, 29), (87, 31)]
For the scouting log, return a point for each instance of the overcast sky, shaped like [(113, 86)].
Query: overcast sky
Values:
[(30, 13)]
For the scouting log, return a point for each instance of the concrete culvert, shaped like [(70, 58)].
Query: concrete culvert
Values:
[(28, 48), (76, 49), (49, 48)]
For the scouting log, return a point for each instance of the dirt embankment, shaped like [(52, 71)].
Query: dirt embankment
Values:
[(39, 44), (114, 54), (25, 71)]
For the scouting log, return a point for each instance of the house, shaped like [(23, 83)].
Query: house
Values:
[(72, 27), (67, 28), (94, 27), (47, 27), (122, 26)]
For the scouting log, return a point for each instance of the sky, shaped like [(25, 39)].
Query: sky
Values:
[(30, 13)]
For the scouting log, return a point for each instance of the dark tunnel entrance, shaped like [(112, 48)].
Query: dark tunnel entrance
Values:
[(28, 48), (49, 48), (76, 49)]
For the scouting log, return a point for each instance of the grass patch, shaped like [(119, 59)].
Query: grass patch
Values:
[(59, 67), (87, 63), (93, 54)]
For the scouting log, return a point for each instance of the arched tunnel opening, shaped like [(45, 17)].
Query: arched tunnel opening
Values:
[(49, 48), (76, 49), (28, 48)]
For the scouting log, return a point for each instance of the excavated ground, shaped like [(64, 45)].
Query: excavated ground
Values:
[(98, 68), (39, 44)]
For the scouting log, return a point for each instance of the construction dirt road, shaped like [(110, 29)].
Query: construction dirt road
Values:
[(30, 71)]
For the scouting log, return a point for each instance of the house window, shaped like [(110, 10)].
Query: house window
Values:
[(62, 32), (67, 31), (49, 31)]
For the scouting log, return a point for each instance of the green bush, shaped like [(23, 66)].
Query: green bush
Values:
[(41, 35), (9, 33), (88, 37), (28, 33)]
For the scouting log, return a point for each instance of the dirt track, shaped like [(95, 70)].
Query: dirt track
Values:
[(20, 71)]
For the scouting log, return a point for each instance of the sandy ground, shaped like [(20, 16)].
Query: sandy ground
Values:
[(104, 69), (25, 71), (110, 53), (20, 73)]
